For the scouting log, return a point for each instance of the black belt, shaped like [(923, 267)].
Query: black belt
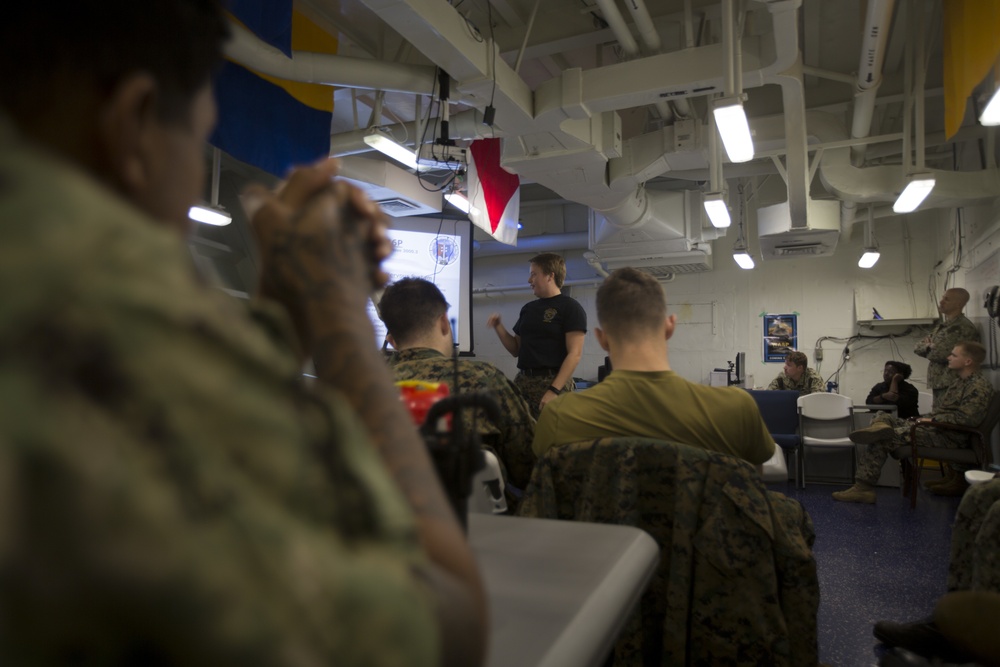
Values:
[(532, 372)]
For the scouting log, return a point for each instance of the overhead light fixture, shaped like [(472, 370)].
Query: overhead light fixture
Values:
[(717, 209), (734, 129), (915, 192), (210, 215), (991, 114), (742, 257), (381, 141), (459, 201), (871, 253)]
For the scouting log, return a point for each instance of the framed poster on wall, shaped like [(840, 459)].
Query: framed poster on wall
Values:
[(781, 336)]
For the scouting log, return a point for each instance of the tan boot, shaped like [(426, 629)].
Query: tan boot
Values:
[(947, 478), (859, 493), (956, 486), (872, 434)]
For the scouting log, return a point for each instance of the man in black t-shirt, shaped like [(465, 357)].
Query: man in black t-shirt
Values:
[(548, 336), (895, 390)]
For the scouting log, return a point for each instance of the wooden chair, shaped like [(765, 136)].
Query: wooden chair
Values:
[(978, 454)]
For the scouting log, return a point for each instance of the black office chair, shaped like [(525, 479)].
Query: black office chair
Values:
[(780, 411)]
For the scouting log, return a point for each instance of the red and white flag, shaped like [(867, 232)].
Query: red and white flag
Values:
[(494, 194)]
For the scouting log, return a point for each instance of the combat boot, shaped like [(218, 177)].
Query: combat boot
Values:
[(859, 493), (875, 433), (947, 478), (956, 486)]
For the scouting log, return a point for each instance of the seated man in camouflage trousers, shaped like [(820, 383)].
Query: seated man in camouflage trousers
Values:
[(964, 403), (962, 628), (416, 315)]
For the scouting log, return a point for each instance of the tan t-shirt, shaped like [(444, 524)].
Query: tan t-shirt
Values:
[(662, 405)]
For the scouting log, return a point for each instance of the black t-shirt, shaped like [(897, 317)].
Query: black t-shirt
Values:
[(906, 404), (543, 325)]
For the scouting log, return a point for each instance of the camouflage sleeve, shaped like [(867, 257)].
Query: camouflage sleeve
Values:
[(921, 349), (776, 384), (516, 431), (816, 383), (967, 408), (948, 338), (546, 429), (111, 542)]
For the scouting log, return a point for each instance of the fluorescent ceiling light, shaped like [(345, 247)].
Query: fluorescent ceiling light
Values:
[(382, 142), (991, 114), (718, 211), (868, 259), (210, 215), (743, 259), (734, 129), (914, 193), (458, 200)]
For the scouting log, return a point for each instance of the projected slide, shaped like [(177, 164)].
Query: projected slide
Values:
[(438, 258)]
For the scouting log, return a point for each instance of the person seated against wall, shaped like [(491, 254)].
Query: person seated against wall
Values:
[(964, 403), (642, 396), (895, 390), (797, 376), (963, 625), (173, 492), (415, 313)]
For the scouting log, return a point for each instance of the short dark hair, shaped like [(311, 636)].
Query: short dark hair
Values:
[(551, 263), (409, 308), (101, 42), (974, 350), (629, 303), (901, 368), (798, 358)]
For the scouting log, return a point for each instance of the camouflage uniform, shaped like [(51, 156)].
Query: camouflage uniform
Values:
[(736, 583), (809, 383), (168, 485), (975, 541), (963, 403), (944, 337), (533, 387), (511, 439)]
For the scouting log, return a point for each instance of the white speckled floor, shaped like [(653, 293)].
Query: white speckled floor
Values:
[(881, 562)]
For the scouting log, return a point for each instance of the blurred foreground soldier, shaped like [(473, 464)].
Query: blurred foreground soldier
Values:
[(964, 403), (416, 315), (172, 493), (953, 328), (797, 376), (963, 627)]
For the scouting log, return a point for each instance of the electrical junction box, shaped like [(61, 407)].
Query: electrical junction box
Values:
[(685, 135)]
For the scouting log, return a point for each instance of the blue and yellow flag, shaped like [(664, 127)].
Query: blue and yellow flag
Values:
[(272, 123)]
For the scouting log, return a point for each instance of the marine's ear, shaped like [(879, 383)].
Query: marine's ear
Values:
[(602, 339), (669, 325), (126, 120)]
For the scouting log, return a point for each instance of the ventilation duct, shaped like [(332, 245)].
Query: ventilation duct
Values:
[(668, 241), (394, 189), (781, 238)]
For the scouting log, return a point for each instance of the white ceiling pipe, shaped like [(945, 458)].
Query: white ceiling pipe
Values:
[(466, 125), (617, 24), (624, 36), (246, 49), (644, 24), (874, 37), (532, 244)]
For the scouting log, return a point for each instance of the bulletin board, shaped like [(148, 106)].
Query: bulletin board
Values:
[(781, 336)]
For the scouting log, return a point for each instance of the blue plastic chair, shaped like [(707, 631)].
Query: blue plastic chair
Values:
[(781, 414)]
